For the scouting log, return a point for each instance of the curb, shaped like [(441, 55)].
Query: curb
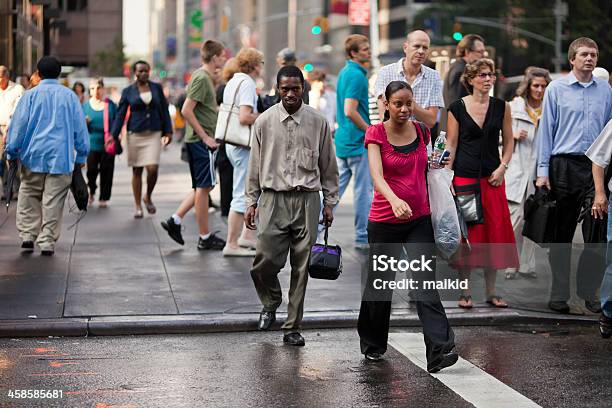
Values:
[(220, 323)]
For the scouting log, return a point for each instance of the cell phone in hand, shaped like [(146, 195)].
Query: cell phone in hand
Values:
[(445, 155)]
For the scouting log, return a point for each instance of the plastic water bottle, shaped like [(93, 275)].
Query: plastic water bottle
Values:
[(439, 146)]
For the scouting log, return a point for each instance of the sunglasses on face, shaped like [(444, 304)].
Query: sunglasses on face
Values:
[(484, 75)]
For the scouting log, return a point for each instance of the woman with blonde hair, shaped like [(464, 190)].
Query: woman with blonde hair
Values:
[(526, 110), (226, 170), (474, 125), (241, 90)]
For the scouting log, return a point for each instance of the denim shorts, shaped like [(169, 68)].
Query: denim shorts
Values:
[(201, 165), (239, 157)]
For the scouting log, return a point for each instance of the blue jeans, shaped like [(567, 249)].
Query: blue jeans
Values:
[(239, 157), (606, 284), (358, 167)]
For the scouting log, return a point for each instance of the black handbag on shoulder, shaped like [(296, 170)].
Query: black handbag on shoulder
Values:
[(325, 261), (468, 198), (540, 213)]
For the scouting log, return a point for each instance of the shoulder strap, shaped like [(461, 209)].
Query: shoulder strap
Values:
[(106, 116), (483, 141), (236, 93)]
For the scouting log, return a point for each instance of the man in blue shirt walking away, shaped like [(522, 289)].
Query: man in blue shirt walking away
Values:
[(353, 120), (48, 135), (576, 109)]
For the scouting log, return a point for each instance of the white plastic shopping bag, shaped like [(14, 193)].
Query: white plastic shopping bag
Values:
[(447, 232)]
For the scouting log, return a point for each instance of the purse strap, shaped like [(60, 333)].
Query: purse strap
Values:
[(105, 116), (483, 140), (229, 115), (326, 235)]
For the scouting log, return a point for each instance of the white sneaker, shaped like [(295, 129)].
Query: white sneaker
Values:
[(228, 251), (247, 243)]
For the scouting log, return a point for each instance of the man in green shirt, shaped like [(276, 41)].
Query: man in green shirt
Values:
[(200, 112)]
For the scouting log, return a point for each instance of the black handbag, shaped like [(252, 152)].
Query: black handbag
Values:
[(325, 261), (468, 198), (540, 214), (79, 188)]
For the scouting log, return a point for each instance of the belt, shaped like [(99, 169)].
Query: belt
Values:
[(575, 157), (298, 189)]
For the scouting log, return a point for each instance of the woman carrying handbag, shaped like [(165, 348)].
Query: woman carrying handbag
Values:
[(474, 125), (99, 114)]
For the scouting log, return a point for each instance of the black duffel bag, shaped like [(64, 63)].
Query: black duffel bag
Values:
[(325, 261), (540, 213)]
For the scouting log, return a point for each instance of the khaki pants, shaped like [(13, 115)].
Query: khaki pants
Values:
[(287, 225), (40, 206)]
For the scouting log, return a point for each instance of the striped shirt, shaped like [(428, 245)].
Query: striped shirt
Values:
[(427, 86)]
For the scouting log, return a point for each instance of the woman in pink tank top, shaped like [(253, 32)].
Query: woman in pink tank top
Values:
[(399, 224)]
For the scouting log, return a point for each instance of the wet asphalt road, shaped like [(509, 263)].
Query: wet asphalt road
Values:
[(554, 366)]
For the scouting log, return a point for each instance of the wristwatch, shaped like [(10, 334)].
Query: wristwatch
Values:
[(505, 165)]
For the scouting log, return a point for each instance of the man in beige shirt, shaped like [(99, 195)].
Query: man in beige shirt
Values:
[(292, 159)]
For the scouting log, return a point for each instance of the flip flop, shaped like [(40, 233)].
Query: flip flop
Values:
[(466, 299), (138, 214), (150, 207), (495, 301)]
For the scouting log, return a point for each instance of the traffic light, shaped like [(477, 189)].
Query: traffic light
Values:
[(308, 67), (319, 25), (457, 35)]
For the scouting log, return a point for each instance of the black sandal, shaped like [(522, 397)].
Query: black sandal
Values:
[(466, 299), (494, 301)]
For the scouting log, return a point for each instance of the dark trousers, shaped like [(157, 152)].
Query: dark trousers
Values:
[(571, 182), (226, 180), (104, 164), (374, 315)]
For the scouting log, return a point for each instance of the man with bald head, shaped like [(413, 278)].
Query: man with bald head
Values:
[(10, 92), (425, 82)]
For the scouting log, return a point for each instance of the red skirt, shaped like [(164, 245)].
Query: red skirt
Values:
[(492, 243)]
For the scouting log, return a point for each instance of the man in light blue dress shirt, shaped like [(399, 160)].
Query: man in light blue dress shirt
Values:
[(576, 109), (48, 134)]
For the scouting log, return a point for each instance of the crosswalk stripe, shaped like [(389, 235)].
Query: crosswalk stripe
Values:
[(465, 379)]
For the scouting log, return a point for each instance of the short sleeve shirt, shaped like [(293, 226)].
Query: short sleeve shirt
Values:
[(247, 94), (202, 90), (427, 86), (352, 84), (600, 151), (403, 172)]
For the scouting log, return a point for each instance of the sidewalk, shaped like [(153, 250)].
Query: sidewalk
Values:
[(113, 274)]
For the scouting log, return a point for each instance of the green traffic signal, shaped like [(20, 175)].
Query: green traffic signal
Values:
[(308, 67), (457, 36), (316, 30)]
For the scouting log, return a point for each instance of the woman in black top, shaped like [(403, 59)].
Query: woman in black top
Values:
[(149, 120), (474, 126)]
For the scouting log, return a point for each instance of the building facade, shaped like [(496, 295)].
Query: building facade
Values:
[(21, 35), (87, 33)]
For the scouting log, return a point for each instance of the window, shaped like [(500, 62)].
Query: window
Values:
[(397, 29), (76, 5), (396, 3)]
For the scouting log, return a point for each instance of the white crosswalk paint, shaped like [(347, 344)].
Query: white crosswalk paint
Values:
[(465, 379)]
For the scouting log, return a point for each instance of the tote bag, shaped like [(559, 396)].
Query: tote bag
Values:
[(229, 129)]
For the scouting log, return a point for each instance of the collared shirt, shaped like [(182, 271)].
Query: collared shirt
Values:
[(572, 118), (8, 101), (292, 152), (600, 152), (352, 84), (427, 85), (48, 131)]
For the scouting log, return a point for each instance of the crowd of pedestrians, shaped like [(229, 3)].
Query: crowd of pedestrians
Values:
[(307, 141)]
